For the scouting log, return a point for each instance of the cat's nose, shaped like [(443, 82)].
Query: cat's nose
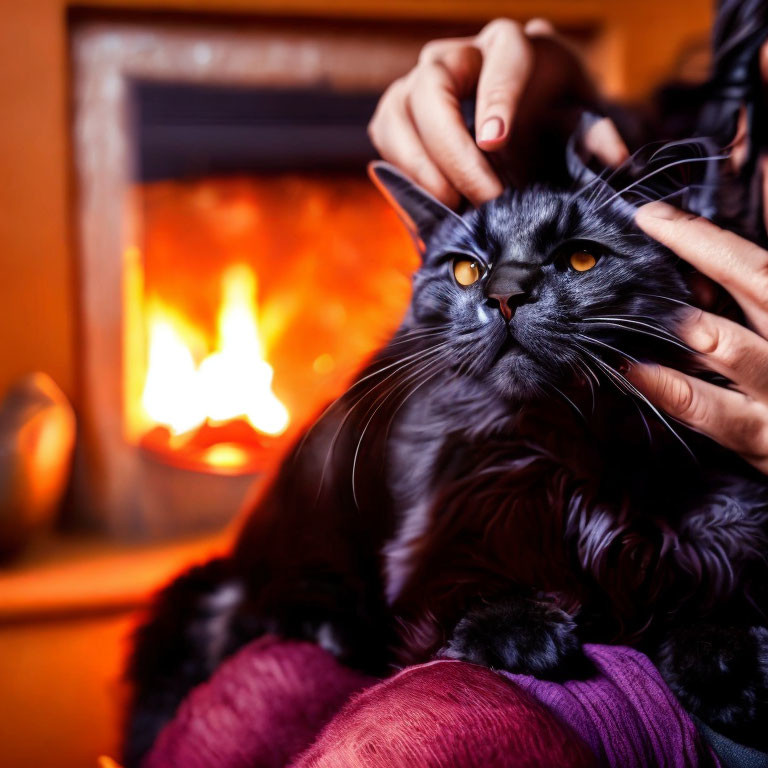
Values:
[(506, 302)]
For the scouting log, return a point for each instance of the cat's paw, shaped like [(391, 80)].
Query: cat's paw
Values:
[(518, 635), (720, 674)]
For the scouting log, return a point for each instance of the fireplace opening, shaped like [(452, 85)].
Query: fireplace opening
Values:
[(266, 268)]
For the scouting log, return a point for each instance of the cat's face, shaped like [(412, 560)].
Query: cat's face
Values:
[(530, 288)]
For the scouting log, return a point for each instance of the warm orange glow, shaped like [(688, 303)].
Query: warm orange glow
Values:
[(232, 381), (226, 456), (248, 305), (105, 761)]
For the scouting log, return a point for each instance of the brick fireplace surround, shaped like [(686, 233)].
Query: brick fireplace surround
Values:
[(66, 609)]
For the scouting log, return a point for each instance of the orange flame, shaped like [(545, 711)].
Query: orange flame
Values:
[(232, 381)]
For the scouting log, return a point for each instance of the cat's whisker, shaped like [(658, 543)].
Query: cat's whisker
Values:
[(353, 386), (416, 335), (631, 319), (647, 193), (658, 413), (428, 366), (568, 400), (623, 383), (612, 373), (611, 173), (443, 369), (397, 354), (412, 356), (645, 422), (658, 171), (633, 316), (408, 362), (668, 298), (617, 382), (607, 346), (413, 335), (682, 190), (589, 375), (400, 405), (595, 188), (656, 334), (390, 351), (426, 357), (337, 433), (693, 143), (630, 328)]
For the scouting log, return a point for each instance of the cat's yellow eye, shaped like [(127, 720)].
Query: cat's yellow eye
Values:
[(582, 261), (466, 271)]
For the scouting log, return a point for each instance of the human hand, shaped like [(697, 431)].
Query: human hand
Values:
[(518, 74), (736, 417)]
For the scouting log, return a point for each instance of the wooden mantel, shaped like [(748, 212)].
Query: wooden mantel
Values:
[(38, 289), (65, 578)]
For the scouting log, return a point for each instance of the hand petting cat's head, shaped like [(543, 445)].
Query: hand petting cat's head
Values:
[(538, 287)]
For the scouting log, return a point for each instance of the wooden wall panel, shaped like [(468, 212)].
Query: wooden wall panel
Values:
[(36, 291), (62, 696)]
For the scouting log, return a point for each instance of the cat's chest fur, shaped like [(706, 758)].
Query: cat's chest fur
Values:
[(535, 498), (455, 459)]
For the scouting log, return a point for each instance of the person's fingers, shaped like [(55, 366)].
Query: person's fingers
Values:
[(737, 264), (729, 349), (764, 62), (433, 102), (732, 419), (539, 28), (605, 143), (763, 164), (507, 60), (434, 50), (393, 134), (740, 142)]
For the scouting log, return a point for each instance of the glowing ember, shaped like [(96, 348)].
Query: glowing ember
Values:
[(233, 381), (226, 456)]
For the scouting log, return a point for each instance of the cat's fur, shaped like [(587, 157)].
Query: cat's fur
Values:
[(496, 491)]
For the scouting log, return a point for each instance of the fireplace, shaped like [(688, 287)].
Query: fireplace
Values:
[(236, 265)]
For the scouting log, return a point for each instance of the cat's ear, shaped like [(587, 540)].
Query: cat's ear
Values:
[(575, 152), (419, 211), (577, 161), (685, 173)]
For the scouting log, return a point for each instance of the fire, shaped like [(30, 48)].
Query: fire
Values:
[(233, 381), (201, 334)]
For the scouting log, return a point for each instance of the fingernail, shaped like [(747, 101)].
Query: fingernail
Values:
[(492, 129), (538, 27), (658, 210)]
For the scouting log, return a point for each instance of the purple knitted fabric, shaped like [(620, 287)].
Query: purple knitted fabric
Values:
[(625, 712), (270, 701)]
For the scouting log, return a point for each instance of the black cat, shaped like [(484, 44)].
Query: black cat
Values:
[(494, 489)]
